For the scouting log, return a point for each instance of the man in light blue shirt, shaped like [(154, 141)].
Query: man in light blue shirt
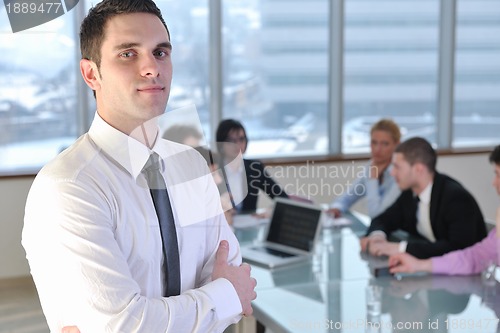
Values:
[(376, 183)]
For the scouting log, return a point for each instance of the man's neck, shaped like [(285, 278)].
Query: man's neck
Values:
[(145, 132), (423, 182)]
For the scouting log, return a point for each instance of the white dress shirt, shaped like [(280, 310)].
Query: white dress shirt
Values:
[(236, 178), (93, 243), (424, 227)]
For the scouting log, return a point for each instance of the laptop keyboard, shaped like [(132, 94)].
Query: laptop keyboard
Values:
[(274, 252)]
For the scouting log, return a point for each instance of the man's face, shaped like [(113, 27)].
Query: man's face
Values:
[(133, 83), (496, 179), (382, 147), (403, 172)]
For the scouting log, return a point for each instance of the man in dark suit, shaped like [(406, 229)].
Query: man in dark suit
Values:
[(437, 212)]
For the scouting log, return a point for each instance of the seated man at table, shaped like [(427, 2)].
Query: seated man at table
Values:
[(437, 212), (471, 260)]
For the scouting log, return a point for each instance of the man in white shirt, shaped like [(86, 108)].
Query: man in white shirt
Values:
[(91, 233)]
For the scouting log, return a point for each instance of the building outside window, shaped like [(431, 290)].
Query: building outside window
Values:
[(275, 75)]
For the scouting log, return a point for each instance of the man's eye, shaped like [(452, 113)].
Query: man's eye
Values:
[(126, 54), (160, 53)]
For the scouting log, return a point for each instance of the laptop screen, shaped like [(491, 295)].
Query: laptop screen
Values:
[(294, 225)]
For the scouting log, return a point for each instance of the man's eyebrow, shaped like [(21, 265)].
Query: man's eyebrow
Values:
[(166, 45), (124, 46)]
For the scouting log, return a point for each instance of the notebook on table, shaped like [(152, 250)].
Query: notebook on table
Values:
[(291, 235)]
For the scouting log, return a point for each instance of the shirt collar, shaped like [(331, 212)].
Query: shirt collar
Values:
[(425, 196), (125, 150), (235, 166)]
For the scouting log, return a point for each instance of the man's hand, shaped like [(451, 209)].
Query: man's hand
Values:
[(70, 329), (382, 247), (335, 212), (406, 263), (363, 243), (240, 277), (366, 242)]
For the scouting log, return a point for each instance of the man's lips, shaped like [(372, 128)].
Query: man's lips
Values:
[(151, 89)]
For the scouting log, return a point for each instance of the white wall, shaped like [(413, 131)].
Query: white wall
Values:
[(322, 180), (12, 257)]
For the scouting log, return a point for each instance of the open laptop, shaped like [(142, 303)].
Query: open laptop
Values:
[(291, 235)]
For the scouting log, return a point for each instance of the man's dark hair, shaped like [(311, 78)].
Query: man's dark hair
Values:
[(418, 150), (93, 26), (495, 155), (225, 127)]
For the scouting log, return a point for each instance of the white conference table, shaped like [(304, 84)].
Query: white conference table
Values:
[(327, 293)]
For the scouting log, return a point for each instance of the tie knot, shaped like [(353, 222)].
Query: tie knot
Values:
[(153, 163), (152, 172)]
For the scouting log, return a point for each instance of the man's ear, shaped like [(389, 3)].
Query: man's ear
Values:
[(420, 167), (90, 74)]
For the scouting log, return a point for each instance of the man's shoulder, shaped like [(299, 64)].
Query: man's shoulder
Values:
[(448, 183), (72, 160), (451, 190)]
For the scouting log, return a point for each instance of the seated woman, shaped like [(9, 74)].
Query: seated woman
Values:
[(471, 260), (243, 175), (376, 184)]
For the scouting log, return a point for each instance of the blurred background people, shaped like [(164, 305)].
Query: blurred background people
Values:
[(185, 134), (436, 211), (379, 187), (471, 260), (243, 175)]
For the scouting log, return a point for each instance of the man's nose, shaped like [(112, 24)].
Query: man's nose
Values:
[(149, 66)]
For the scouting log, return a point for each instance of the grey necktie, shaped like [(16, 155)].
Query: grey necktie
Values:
[(161, 201)]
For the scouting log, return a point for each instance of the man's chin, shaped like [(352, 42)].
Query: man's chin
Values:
[(402, 187)]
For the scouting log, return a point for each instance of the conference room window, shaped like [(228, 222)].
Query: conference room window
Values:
[(187, 21), (476, 119), (275, 74), (274, 60), (390, 68), (38, 114)]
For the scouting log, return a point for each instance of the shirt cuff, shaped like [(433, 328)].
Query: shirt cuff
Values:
[(226, 301), (402, 246)]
